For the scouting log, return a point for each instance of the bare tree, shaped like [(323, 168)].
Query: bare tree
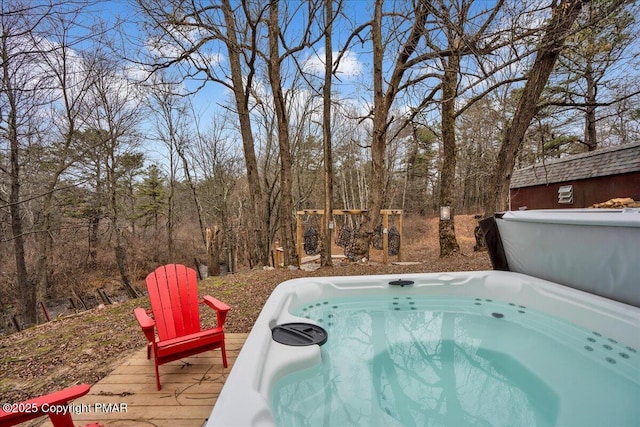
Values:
[(327, 219), (264, 119), (218, 166), (170, 114), (559, 27), (450, 76), (37, 76), (18, 102), (478, 130), (116, 112), (174, 113), (623, 119), (411, 40), (275, 59), (242, 91), (70, 74), (274, 64), (406, 57), (414, 40), (465, 78), (236, 26)]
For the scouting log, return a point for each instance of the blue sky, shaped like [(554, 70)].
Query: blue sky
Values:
[(354, 76), (352, 69)]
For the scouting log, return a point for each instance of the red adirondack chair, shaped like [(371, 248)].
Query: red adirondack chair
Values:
[(173, 293), (42, 406)]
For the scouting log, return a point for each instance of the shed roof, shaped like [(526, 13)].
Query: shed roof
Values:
[(606, 161)]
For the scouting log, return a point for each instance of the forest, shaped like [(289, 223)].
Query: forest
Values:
[(129, 129)]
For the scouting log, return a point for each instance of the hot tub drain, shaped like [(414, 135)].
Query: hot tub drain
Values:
[(299, 334), (402, 283)]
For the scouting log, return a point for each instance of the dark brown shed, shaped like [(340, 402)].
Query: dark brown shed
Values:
[(578, 181)]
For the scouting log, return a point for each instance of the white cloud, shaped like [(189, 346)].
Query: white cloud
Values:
[(350, 65)]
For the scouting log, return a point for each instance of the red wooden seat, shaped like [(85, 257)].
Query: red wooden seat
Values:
[(45, 405), (173, 293)]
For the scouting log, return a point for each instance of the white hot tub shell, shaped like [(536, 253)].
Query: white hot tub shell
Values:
[(245, 397)]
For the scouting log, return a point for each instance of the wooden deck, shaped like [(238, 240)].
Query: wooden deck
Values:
[(190, 388)]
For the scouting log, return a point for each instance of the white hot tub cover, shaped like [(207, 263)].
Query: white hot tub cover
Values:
[(594, 250)]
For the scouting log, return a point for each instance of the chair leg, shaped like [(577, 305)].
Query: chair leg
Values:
[(60, 420), (224, 355), (157, 374), (148, 351)]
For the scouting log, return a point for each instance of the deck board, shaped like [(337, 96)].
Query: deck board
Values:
[(190, 388)]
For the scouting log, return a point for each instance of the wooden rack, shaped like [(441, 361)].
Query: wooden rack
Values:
[(385, 227)]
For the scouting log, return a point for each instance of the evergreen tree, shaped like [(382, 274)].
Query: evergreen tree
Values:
[(152, 197)]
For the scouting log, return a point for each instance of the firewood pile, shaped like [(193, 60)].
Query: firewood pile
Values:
[(618, 203)]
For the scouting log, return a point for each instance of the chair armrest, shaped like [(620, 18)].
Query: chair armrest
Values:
[(34, 408), (146, 323), (216, 304), (220, 308)]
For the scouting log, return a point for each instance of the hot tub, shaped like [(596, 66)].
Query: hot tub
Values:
[(492, 345)]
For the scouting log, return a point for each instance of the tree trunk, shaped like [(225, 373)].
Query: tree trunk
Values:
[(170, 226), (123, 267), (94, 224), (382, 102), (409, 172), (259, 253), (45, 244), (557, 30), (590, 135), (114, 218), (446, 227), (96, 212), (213, 250), (286, 187), (327, 219), (378, 142), (26, 289), (194, 193), (43, 270)]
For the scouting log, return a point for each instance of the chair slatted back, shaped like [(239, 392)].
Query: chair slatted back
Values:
[(173, 293)]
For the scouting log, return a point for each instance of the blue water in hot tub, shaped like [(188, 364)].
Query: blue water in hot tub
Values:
[(426, 361)]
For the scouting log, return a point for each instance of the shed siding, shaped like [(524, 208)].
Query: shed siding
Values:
[(586, 192)]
